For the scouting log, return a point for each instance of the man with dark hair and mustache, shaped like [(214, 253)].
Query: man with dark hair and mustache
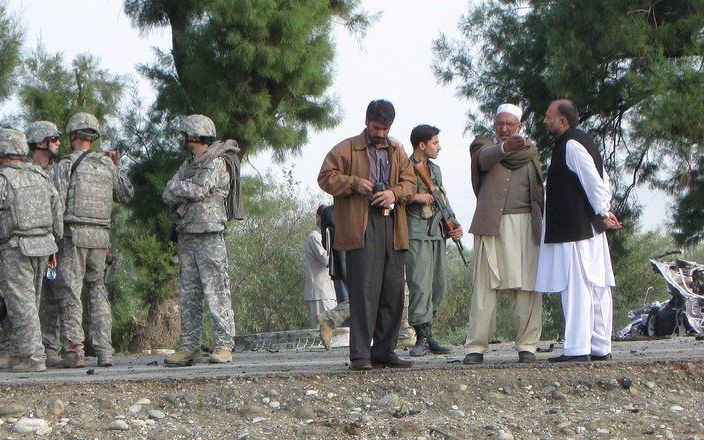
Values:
[(367, 175)]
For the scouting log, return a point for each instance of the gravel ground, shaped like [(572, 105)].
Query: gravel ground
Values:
[(651, 389)]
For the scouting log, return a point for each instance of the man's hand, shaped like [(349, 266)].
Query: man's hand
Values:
[(363, 187), (384, 198), (424, 198), (611, 221), (456, 233), (114, 155), (514, 143), (51, 264)]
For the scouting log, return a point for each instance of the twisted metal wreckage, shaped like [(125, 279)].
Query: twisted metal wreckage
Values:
[(682, 314)]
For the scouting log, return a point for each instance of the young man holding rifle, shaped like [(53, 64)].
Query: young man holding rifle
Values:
[(426, 258)]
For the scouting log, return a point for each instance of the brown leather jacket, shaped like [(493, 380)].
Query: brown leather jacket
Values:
[(342, 168), (491, 187)]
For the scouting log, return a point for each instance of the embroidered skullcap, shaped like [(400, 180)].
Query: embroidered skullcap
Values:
[(510, 108)]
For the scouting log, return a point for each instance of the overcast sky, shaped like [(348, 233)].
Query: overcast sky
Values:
[(393, 61)]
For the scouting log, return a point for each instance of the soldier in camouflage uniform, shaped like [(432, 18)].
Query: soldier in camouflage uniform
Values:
[(44, 144), (198, 194), (88, 183), (30, 224)]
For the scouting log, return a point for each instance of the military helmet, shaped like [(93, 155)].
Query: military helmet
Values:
[(13, 142), (39, 130), (83, 122), (197, 126)]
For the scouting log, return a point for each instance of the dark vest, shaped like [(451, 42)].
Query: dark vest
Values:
[(568, 214)]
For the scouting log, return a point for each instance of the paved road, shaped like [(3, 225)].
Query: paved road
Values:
[(312, 360)]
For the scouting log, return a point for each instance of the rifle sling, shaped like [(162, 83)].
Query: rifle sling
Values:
[(78, 161)]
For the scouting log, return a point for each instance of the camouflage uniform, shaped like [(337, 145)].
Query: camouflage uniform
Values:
[(51, 321), (51, 318), (30, 224), (199, 206), (88, 193)]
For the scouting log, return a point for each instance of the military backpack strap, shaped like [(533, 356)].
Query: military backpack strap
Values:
[(78, 161)]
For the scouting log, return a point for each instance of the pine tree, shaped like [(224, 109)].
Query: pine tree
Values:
[(633, 67), (259, 68), (10, 45)]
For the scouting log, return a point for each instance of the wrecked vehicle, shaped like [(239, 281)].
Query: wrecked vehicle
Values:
[(682, 314)]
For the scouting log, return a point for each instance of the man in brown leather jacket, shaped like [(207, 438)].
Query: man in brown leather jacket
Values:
[(368, 175), (507, 180)]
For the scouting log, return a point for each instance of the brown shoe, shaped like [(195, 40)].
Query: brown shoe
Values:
[(5, 361), (360, 364), (182, 358), (393, 361), (53, 360), (221, 356), (26, 365), (105, 361), (74, 360)]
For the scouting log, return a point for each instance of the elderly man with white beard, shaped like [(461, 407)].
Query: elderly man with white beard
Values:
[(507, 180)]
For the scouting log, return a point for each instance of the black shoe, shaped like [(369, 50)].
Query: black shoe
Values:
[(564, 358), (421, 348), (473, 358), (435, 346), (604, 357), (393, 361), (525, 357), (360, 364), (438, 348)]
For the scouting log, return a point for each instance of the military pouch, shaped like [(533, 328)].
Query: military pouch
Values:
[(90, 237), (38, 245)]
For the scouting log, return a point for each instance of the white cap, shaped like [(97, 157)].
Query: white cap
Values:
[(510, 108)]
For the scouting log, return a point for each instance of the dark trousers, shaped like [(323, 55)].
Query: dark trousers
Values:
[(375, 282)]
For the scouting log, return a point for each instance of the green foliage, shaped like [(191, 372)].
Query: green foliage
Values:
[(126, 294), (451, 321), (258, 68), (52, 91), (10, 44), (266, 262), (633, 68)]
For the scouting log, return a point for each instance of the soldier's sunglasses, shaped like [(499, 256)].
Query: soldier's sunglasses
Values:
[(51, 138)]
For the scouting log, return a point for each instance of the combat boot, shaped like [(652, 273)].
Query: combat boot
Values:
[(435, 346), (75, 359), (105, 360), (53, 360), (182, 358), (326, 330), (221, 356), (421, 348), (26, 365), (5, 361)]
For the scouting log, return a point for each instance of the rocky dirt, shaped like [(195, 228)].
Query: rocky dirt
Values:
[(650, 390)]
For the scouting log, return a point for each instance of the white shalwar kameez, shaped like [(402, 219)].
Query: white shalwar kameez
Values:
[(581, 270)]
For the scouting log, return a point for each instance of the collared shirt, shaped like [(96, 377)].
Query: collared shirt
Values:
[(379, 162)]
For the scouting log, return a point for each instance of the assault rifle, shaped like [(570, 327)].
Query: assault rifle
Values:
[(443, 214)]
